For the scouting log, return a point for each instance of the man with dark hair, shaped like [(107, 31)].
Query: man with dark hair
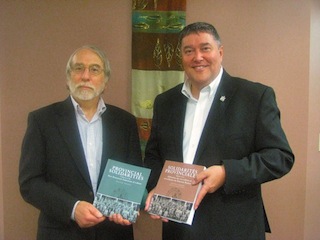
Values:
[(228, 124)]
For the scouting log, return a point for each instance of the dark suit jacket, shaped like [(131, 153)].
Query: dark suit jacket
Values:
[(242, 132), (53, 171)]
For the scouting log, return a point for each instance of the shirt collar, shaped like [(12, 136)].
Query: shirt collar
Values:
[(100, 109), (212, 87)]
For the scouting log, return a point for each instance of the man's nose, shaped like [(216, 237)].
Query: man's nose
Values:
[(198, 55), (86, 74)]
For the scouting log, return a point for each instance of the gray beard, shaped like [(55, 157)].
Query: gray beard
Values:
[(84, 94)]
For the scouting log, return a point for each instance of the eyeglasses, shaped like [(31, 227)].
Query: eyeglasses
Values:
[(94, 70)]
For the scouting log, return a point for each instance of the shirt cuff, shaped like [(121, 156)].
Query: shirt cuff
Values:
[(73, 210)]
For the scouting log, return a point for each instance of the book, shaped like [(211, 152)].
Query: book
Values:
[(121, 189), (174, 195)]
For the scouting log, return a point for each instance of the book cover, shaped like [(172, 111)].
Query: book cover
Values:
[(174, 194), (121, 189)]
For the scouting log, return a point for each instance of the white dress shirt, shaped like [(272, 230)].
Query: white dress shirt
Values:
[(196, 115)]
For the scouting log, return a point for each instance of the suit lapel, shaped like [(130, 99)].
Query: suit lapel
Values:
[(68, 127), (215, 119), (107, 146), (179, 111)]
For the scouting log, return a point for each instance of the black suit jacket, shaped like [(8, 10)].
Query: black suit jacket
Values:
[(53, 170), (242, 132)]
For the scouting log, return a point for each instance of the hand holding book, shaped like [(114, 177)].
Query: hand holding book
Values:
[(212, 179), (118, 219), (147, 207), (86, 215)]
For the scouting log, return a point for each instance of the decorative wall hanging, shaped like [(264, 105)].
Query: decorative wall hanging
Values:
[(156, 58)]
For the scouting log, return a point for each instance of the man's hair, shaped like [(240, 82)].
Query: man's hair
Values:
[(199, 27), (96, 50)]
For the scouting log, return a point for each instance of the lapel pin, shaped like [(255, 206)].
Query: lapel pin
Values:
[(222, 98)]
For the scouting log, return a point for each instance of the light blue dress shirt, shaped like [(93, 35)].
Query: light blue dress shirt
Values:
[(92, 142)]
